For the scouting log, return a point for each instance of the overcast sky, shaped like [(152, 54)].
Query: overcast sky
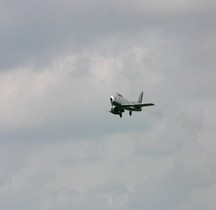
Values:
[(60, 148)]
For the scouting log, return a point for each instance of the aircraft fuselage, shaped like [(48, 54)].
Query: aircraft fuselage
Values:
[(120, 104)]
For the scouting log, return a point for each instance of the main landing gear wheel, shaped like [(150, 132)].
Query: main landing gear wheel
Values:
[(120, 115), (130, 113)]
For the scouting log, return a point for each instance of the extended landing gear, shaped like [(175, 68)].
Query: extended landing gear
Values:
[(130, 113), (120, 115)]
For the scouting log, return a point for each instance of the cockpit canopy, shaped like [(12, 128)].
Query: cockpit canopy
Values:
[(118, 94)]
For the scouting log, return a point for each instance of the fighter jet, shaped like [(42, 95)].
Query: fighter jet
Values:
[(120, 104)]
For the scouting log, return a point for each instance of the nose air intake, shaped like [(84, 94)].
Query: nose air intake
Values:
[(111, 98)]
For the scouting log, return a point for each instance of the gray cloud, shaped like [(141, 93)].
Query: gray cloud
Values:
[(62, 149), (39, 31)]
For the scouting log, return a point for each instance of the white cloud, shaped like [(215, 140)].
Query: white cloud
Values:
[(69, 88)]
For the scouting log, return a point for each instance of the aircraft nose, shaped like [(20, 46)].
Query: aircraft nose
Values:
[(111, 98)]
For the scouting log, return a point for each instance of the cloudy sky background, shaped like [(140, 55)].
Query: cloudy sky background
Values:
[(60, 148)]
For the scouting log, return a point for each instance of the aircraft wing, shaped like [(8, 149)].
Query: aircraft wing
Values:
[(136, 105), (142, 105)]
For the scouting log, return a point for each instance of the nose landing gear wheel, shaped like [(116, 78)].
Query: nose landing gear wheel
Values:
[(130, 113)]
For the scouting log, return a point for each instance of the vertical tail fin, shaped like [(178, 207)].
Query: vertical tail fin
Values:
[(140, 98)]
